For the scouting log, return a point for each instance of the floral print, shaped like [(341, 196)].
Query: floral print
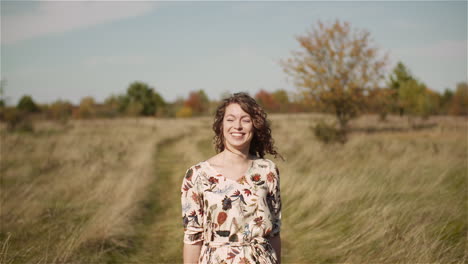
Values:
[(233, 218)]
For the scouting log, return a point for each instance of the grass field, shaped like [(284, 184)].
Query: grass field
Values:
[(108, 191)]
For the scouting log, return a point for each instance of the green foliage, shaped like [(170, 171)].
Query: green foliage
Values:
[(141, 93), (400, 75), (446, 101), (411, 96), (397, 78), (3, 83), (134, 109), (417, 99), (27, 104), (115, 105), (460, 100)]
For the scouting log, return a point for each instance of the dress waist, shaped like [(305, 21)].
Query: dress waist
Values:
[(255, 240)]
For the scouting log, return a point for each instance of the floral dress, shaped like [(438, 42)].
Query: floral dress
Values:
[(234, 219)]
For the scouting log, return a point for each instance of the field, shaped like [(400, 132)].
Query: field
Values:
[(108, 191)]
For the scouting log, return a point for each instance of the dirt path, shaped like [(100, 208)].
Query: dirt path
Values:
[(160, 228)]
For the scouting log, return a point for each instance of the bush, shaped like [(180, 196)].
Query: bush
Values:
[(27, 104), (327, 133), (184, 112), (17, 120)]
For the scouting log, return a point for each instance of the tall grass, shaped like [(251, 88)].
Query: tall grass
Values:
[(384, 197), (108, 190), (70, 194)]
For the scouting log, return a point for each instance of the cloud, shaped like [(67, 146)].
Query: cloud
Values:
[(57, 17)]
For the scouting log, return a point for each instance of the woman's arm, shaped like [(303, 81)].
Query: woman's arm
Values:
[(192, 252), (276, 244)]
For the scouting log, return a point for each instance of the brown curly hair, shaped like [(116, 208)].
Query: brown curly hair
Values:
[(262, 141)]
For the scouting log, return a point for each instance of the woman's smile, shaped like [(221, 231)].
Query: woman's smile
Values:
[(238, 127)]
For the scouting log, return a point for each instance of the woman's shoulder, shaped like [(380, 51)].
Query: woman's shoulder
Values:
[(265, 163), (195, 170), (197, 166)]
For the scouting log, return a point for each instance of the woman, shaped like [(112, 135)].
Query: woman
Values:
[(231, 204)]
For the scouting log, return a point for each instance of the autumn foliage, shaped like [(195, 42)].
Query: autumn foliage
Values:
[(336, 67), (198, 102), (267, 101)]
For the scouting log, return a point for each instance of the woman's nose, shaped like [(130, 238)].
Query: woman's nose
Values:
[(239, 125)]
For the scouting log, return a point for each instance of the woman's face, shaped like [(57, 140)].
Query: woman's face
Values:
[(237, 127)]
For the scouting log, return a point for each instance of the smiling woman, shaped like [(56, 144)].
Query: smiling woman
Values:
[(231, 203)]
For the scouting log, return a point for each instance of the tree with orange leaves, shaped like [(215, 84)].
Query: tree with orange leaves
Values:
[(198, 101), (337, 67), (267, 101)]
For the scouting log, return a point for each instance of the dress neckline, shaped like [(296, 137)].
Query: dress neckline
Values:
[(226, 178)]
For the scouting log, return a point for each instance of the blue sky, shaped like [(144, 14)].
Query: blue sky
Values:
[(69, 50)]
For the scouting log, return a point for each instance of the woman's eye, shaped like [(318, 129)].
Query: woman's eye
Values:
[(246, 120), (229, 120)]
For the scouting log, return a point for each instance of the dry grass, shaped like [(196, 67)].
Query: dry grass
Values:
[(384, 197), (82, 192)]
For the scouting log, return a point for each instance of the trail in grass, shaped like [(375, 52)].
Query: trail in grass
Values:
[(161, 232)]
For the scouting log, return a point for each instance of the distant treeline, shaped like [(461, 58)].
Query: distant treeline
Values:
[(403, 96), (337, 70)]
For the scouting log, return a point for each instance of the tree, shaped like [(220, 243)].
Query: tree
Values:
[(460, 100), (417, 99), (198, 102), (60, 110), (336, 66), (139, 93), (446, 100), (86, 109), (267, 101), (397, 78), (116, 104), (281, 96), (27, 104), (381, 101), (185, 111), (3, 83)]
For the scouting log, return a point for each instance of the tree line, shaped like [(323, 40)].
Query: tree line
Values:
[(337, 70)]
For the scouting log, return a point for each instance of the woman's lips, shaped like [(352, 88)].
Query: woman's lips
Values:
[(237, 135)]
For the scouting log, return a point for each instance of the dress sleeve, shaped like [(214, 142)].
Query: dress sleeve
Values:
[(275, 195), (192, 207)]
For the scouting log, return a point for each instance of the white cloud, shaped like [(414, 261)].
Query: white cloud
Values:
[(58, 17)]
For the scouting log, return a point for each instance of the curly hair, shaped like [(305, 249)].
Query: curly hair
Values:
[(262, 141)]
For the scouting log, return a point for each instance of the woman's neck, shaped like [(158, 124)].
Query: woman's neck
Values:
[(235, 155)]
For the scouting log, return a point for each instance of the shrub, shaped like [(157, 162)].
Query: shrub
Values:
[(27, 104), (184, 112), (17, 120), (327, 133)]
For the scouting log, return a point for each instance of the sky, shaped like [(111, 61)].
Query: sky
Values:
[(66, 50)]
